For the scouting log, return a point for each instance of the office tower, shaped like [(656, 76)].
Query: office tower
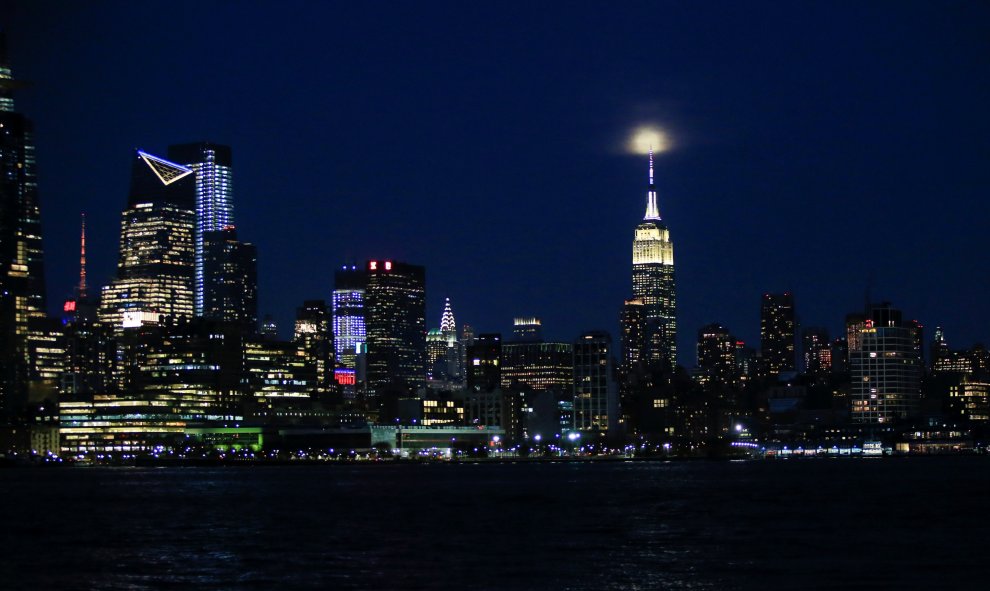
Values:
[(596, 399), (276, 370), (395, 321), (45, 342), (483, 369), (970, 399), (840, 356), (314, 336), (540, 366), (22, 274), (349, 330), (745, 359), (527, 329), (156, 265), (885, 369), (939, 348), (230, 273), (716, 353), (436, 355), (855, 323), (653, 281), (214, 201), (192, 366), (817, 350), (632, 327), (777, 327)]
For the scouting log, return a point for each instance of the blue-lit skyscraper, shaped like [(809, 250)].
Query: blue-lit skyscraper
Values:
[(213, 165), (350, 283)]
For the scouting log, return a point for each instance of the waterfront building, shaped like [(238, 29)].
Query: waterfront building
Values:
[(885, 369), (970, 399), (230, 279), (212, 165), (484, 372), (22, 273), (653, 281), (395, 321), (156, 265), (275, 370), (777, 332)]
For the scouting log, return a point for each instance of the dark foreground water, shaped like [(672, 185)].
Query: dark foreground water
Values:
[(812, 524)]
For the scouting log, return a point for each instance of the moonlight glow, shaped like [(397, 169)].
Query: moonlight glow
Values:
[(645, 137)]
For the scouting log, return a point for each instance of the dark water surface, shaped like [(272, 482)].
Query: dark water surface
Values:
[(812, 524)]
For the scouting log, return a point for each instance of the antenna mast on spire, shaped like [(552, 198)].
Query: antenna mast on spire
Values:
[(652, 213), (82, 260)]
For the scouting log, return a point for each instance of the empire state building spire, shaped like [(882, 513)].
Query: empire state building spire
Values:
[(82, 260), (652, 213)]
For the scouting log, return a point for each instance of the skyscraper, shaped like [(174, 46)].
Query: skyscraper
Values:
[(156, 266), (596, 399), (777, 327), (653, 281), (22, 274), (396, 325), (886, 368), (817, 350), (214, 200), (349, 331), (314, 336), (717, 353), (230, 269)]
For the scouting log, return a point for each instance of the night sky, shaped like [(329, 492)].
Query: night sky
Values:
[(817, 147)]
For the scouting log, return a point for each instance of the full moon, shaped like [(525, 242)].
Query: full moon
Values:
[(645, 137)]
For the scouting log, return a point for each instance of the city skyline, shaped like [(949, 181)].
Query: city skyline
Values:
[(869, 206)]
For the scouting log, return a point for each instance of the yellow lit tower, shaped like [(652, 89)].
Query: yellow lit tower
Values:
[(653, 282)]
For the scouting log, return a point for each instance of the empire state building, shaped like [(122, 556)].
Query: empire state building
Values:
[(653, 282)]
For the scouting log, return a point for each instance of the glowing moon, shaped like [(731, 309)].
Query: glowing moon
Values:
[(645, 137)]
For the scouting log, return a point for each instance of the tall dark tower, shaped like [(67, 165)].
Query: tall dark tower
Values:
[(156, 266), (22, 274), (653, 281), (777, 326), (213, 166), (396, 325), (231, 270)]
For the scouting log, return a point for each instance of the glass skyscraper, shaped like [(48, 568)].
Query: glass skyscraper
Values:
[(155, 269), (22, 274), (348, 314), (653, 281), (214, 200), (231, 270)]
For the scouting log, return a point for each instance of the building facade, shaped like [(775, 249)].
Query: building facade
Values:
[(596, 398)]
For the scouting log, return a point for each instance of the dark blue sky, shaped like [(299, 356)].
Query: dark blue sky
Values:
[(817, 145)]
